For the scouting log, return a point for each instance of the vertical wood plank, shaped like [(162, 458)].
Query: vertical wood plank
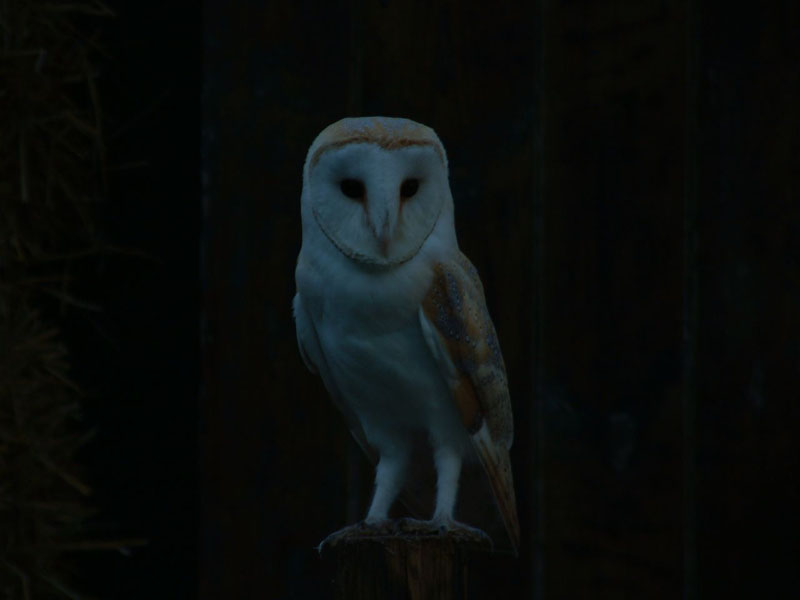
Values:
[(748, 353), (613, 223), (273, 450), (690, 301), (538, 308)]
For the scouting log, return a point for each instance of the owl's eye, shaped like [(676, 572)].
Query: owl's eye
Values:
[(352, 188), (409, 188)]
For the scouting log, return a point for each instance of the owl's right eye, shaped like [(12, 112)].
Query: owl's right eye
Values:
[(352, 188)]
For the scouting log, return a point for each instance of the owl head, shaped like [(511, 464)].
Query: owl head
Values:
[(375, 187)]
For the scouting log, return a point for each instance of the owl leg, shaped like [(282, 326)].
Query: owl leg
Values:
[(389, 477), (448, 470)]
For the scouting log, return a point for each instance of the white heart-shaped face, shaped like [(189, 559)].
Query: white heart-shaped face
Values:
[(377, 205)]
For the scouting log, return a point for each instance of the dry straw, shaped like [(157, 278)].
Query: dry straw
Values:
[(51, 177)]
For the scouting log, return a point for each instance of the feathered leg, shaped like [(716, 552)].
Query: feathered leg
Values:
[(448, 470), (389, 476)]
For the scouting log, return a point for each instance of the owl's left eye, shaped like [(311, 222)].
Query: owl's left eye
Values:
[(409, 188), (352, 188)]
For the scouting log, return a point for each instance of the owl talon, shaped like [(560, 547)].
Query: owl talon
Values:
[(406, 527), (342, 534), (464, 532), (360, 530)]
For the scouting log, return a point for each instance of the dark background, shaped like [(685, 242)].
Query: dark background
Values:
[(138, 359), (625, 179)]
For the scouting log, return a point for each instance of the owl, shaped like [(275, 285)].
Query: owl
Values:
[(392, 316)]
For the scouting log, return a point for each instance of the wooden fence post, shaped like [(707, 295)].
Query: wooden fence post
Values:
[(430, 566)]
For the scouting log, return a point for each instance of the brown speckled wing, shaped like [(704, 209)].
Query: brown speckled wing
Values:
[(456, 308), (462, 338)]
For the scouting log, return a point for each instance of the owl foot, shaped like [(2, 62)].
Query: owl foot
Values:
[(462, 532), (407, 527), (459, 532), (360, 530)]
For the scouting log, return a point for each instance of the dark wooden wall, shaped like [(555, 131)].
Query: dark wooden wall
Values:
[(748, 339), (625, 178), (136, 355)]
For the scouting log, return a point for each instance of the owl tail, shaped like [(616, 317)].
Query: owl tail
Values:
[(497, 466)]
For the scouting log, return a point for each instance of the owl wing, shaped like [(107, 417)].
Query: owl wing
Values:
[(459, 332)]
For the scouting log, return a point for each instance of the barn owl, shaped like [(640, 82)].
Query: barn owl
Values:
[(392, 316)]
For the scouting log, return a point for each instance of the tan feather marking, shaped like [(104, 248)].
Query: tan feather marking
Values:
[(496, 463), (390, 134), (456, 307), (385, 143), (468, 407)]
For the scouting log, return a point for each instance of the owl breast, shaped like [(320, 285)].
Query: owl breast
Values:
[(369, 332)]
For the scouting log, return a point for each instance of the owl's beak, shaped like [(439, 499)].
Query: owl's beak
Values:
[(382, 228), (384, 237)]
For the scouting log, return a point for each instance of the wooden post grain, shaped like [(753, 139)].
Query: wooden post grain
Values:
[(402, 567)]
